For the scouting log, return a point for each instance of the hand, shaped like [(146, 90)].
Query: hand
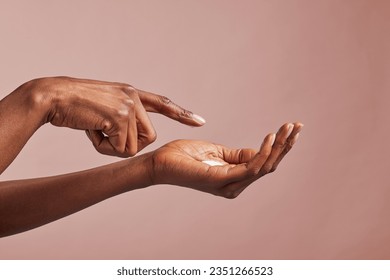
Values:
[(184, 163), (113, 114)]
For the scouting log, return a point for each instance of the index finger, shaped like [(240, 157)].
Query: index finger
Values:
[(163, 105)]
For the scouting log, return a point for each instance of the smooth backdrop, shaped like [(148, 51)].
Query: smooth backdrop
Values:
[(247, 67)]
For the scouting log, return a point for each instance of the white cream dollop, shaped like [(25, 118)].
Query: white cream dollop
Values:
[(213, 162)]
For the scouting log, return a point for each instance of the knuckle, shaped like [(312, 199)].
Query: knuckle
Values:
[(152, 136), (107, 125), (130, 103), (288, 146), (129, 90), (229, 194), (123, 112), (267, 168), (130, 150), (165, 100), (279, 144), (253, 171), (185, 114)]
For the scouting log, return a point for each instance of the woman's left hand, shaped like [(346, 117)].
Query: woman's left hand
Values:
[(217, 169)]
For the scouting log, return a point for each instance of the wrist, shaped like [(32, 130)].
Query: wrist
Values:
[(128, 175), (145, 172), (37, 99)]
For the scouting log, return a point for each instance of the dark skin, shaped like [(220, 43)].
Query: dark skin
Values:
[(115, 119)]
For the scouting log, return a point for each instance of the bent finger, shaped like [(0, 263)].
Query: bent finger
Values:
[(236, 156), (102, 143), (146, 134), (132, 132)]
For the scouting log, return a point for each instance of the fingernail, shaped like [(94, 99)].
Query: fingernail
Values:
[(290, 129), (273, 139), (198, 119)]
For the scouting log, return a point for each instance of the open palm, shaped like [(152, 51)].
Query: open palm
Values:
[(187, 163)]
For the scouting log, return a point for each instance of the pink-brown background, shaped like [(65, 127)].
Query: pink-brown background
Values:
[(247, 67)]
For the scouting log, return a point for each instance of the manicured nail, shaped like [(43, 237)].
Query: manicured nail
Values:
[(290, 127), (198, 119)]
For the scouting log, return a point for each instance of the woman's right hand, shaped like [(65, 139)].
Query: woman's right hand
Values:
[(114, 115)]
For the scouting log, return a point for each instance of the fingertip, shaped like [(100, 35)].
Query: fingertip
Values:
[(298, 125), (198, 119), (272, 139), (290, 128)]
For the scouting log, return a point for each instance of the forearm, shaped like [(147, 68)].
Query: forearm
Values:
[(21, 113), (26, 204)]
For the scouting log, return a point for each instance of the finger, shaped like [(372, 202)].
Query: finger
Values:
[(277, 148), (102, 144), (235, 188), (251, 169), (146, 133), (236, 156), (163, 105), (258, 161), (243, 175), (289, 143), (132, 132)]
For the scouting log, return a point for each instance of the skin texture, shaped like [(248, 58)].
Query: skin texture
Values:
[(115, 119)]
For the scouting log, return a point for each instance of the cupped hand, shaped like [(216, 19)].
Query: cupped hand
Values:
[(114, 115), (219, 170)]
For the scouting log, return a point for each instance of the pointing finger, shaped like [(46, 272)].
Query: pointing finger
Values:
[(163, 105)]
